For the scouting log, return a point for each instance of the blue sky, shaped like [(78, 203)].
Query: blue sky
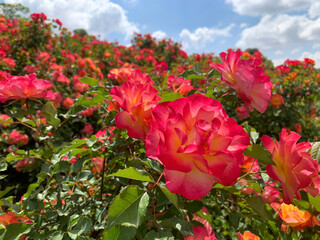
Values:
[(281, 29)]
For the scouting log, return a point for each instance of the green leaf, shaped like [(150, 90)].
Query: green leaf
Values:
[(301, 204), (315, 151), (4, 192), (197, 68), (90, 81), (128, 208), (83, 225), (88, 102), (170, 96), (161, 235), (28, 121), (173, 198), (132, 173), (7, 122), (75, 143), (259, 152), (12, 157), (259, 207), (214, 73), (119, 233), (50, 113), (62, 166), (182, 225), (194, 76), (15, 230), (315, 201)]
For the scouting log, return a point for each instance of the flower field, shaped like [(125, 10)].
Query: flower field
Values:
[(104, 141)]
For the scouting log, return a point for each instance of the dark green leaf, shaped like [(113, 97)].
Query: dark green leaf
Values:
[(214, 73), (128, 208), (120, 233), (83, 225), (50, 113), (173, 198), (15, 230), (259, 152), (4, 192), (259, 207), (132, 173)]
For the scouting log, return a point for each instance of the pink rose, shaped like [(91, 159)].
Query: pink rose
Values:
[(197, 144)]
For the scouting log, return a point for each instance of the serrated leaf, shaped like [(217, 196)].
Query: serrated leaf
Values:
[(259, 152), (128, 208), (170, 96), (119, 233), (50, 113), (315, 151), (16, 230), (90, 81), (131, 173)]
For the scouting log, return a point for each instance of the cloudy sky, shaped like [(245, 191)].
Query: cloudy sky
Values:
[(280, 29)]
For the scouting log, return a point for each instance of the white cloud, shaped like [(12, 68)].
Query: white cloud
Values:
[(201, 36), (296, 50), (243, 25), (159, 35), (266, 7), (316, 45), (95, 16), (279, 52), (314, 10), (278, 32), (278, 61)]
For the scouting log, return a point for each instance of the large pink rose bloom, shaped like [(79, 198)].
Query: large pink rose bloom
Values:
[(294, 167), (24, 87), (137, 101), (197, 144), (246, 77)]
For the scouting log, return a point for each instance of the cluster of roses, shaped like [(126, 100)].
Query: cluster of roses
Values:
[(199, 145)]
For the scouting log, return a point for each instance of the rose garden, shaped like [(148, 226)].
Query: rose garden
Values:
[(104, 141)]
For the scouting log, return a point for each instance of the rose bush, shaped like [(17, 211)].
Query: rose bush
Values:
[(148, 142)]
